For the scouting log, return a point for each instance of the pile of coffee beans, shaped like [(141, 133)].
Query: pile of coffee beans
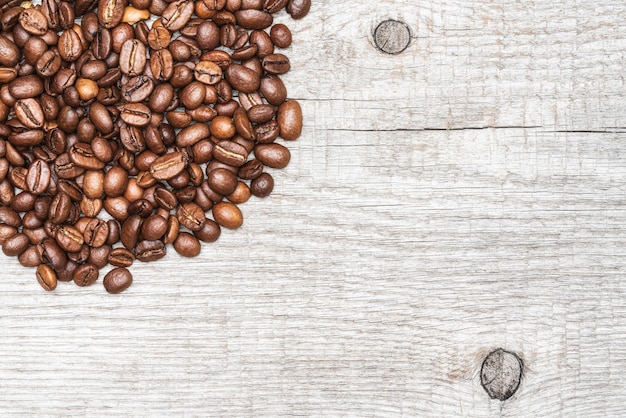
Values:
[(128, 125)]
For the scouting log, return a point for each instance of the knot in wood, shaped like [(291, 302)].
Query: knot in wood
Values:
[(392, 36), (501, 374)]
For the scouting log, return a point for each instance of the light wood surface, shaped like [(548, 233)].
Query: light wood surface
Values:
[(464, 195)]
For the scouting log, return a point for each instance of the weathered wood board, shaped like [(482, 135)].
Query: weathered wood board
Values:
[(464, 195)]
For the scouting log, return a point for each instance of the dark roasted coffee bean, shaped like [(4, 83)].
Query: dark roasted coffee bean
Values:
[(154, 227), (46, 277), (30, 257), (208, 72), (51, 253), (243, 79), (230, 153), (241, 194), (33, 21), (165, 198), (82, 155), (253, 19), (85, 275), (159, 38), (69, 238), (191, 216), (70, 45), (137, 89), (261, 113), (99, 256), (136, 114), (273, 89), (117, 280), (10, 217), (222, 181), (276, 64), (192, 134), (267, 132), (121, 257), (26, 87), (29, 113), (130, 231), (150, 250)]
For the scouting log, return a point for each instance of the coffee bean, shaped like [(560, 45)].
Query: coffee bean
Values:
[(290, 120), (227, 215), (121, 257), (137, 89), (244, 79), (177, 14), (276, 64), (168, 165), (69, 238), (15, 245), (187, 245), (154, 227), (222, 181), (262, 186), (110, 12), (272, 155), (46, 277), (38, 177), (96, 233), (136, 114), (281, 35), (85, 275), (132, 57), (191, 216), (117, 280), (208, 72), (298, 8), (253, 19), (147, 251)]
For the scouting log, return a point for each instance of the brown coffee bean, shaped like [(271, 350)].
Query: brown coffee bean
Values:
[(192, 134), (281, 35), (69, 238), (276, 64), (51, 254), (231, 153), (165, 198), (208, 72), (117, 280), (132, 57), (177, 14), (228, 215), (289, 119), (98, 256), (85, 275), (273, 6), (96, 233), (9, 52), (26, 87), (30, 257), (82, 155), (137, 89), (38, 177), (244, 79), (159, 38), (70, 45), (191, 216), (136, 114), (46, 277), (262, 186), (33, 21), (272, 155), (29, 113), (298, 8), (222, 181), (110, 12), (254, 19), (121, 257), (15, 245), (187, 245), (261, 113), (154, 227), (147, 251), (168, 165)]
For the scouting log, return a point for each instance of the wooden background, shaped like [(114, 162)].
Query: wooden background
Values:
[(464, 195)]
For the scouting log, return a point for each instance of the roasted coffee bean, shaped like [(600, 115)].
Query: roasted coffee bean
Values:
[(121, 257), (110, 12), (26, 87), (192, 134), (96, 233), (273, 6), (154, 227), (132, 57), (137, 89), (69, 238), (177, 14), (70, 45), (99, 256), (191, 216), (262, 186), (209, 72), (30, 257), (228, 215), (117, 280), (298, 8), (38, 177), (51, 254), (187, 245), (290, 120), (222, 181), (150, 250), (159, 38), (244, 79), (136, 114), (46, 277), (281, 35), (276, 64), (253, 19), (272, 155), (85, 275), (168, 165), (15, 245), (231, 153)]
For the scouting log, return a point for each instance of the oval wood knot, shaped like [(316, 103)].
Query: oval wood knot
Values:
[(501, 374), (392, 36)]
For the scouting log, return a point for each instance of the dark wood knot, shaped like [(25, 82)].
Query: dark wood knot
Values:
[(392, 36), (501, 374)]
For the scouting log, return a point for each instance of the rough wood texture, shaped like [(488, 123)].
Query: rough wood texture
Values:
[(464, 195)]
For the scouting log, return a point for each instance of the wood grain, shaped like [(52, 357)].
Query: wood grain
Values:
[(465, 195)]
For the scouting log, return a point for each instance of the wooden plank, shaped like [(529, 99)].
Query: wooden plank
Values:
[(462, 196)]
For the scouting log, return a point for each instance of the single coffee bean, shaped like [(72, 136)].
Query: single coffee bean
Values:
[(231, 153), (165, 198), (191, 216), (26, 87), (85, 275), (9, 52), (29, 113), (51, 254), (272, 155), (187, 245), (281, 35), (276, 64), (70, 45), (96, 233), (290, 120), (154, 227), (82, 155), (298, 8), (136, 114), (130, 231), (274, 6), (121, 257), (110, 12), (137, 89), (244, 79), (98, 256), (46, 277), (159, 38), (132, 57), (222, 181), (168, 165), (69, 238), (253, 19), (177, 14), (117, 280), (30, 257), (261, 113), (262, 186), (210, 232), (192, 134), (208, 72), (228, 215), (147, 251), (38, 177), (15, 245)]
